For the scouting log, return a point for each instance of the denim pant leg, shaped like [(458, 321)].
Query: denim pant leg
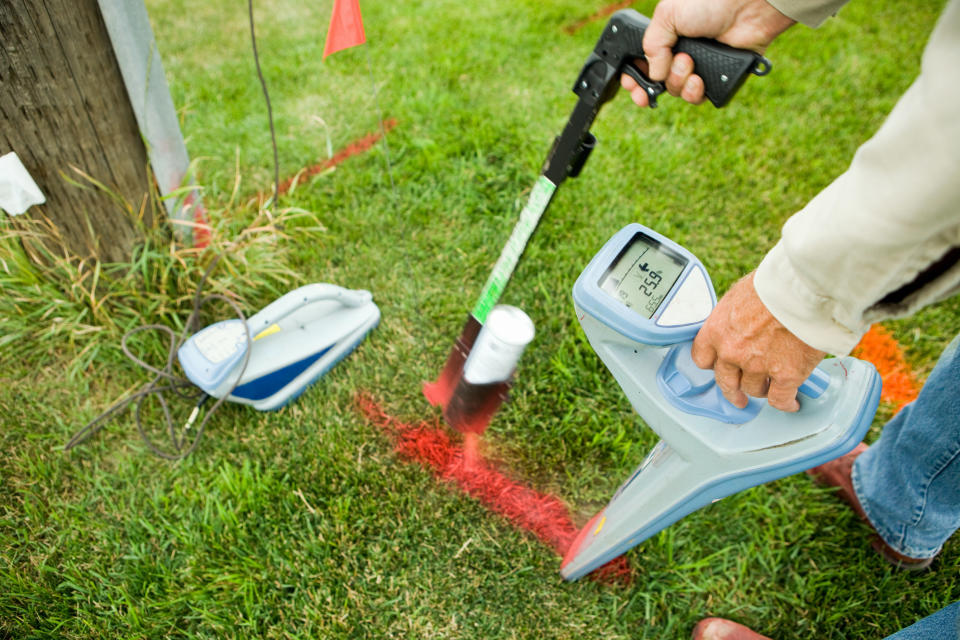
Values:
[(942, 625), (909, 480)]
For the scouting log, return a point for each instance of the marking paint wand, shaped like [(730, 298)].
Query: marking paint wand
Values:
[(438, 393)]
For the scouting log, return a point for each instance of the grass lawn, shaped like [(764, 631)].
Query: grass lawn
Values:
[(304, 523)]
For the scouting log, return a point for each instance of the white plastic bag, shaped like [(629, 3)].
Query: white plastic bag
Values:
[(18, 191)]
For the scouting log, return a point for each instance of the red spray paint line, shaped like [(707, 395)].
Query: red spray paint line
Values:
[(544, 515), (201, 226), (354, 148), (900, 385), (573, 27)]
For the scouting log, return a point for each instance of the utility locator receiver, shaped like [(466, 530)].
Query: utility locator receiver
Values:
[(641, 301)]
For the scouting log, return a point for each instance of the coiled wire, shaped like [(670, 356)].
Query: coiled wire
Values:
[(185, 439)]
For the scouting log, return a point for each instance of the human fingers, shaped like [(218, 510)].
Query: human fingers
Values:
[(691, 89), (783, 396), (637, 93), (683, 82), (728, 377), (694, 91), (658, 40), (681, 70), (702, 352), (755, 384)]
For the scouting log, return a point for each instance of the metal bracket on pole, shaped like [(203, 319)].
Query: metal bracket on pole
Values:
[(136, 51)]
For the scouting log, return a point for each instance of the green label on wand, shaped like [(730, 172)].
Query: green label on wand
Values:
[(510, 255)]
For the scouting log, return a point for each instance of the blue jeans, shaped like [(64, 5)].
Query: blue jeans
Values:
[(942, 625), (908, 481)]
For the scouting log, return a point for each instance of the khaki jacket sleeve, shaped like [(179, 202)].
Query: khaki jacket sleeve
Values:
[(812, 13), (883, 239)]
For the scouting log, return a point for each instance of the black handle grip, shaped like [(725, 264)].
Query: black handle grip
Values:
[(723, 69)]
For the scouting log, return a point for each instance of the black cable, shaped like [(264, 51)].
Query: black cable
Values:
[(175, 383), (266, 95), (185, 440)]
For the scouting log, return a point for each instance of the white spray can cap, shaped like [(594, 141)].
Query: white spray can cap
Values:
[(504, 336)]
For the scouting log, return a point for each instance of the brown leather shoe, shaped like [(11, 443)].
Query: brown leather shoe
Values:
[(721, 629), (836, 473)]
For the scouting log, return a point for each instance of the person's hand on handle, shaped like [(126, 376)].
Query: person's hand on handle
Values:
[(745, 24), (751, 353)]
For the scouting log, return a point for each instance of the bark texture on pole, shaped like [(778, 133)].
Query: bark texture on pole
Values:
[(62, 104)]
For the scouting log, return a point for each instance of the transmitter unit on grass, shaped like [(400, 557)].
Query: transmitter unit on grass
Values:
[(271, 358), (641, 301)]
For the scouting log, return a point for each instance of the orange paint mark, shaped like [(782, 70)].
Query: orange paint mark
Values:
[(543, 515), (352, 149), (900, 385), (573, 27)]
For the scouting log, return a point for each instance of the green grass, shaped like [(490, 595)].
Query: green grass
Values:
[(303, 523)]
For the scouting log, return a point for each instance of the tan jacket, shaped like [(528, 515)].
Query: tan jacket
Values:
[(883, 239)]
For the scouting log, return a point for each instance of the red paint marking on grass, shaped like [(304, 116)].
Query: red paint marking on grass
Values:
[(542, 514), (201, 229), (575, 26), (900, 385), (352, 149)]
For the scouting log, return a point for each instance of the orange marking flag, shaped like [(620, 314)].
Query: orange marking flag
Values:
[(346, 27)]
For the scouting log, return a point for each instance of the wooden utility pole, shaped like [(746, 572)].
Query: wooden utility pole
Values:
[(62, 104)]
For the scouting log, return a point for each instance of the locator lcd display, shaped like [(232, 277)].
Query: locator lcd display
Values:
[(643, 274)]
